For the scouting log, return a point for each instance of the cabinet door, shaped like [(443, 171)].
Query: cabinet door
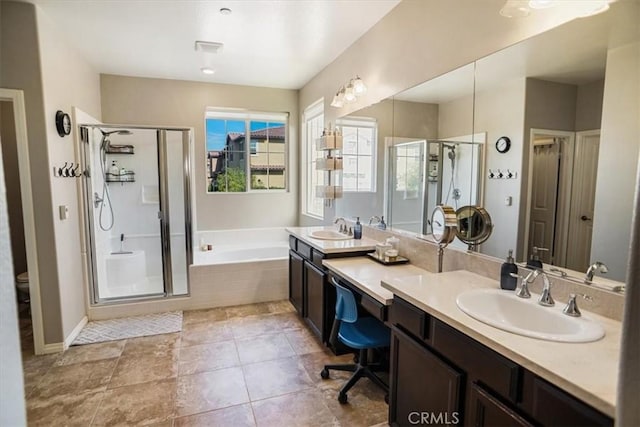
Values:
[(424, 388), (486, 410), (315, 298), (296, 281)]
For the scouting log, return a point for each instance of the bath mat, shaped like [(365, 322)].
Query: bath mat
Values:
[(130, 327)]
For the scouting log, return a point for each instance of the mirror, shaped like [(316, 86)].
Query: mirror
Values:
[(566, 99), (364, 132), (434, 157), (473, 225)]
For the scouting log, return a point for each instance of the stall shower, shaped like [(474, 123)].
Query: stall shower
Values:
[(137, 193)]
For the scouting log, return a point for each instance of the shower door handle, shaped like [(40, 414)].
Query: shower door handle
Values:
[(585, 218)]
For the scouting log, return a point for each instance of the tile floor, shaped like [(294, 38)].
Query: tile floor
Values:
[(252, 365)]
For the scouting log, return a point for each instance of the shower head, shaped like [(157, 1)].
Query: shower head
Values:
[(117, 131), (452, 151)]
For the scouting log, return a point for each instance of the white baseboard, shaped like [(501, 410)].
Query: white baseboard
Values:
[(76, 331), (56, 347)]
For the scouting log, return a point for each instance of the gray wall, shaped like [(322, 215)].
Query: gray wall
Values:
[(132, 100), (12, 407), (589, 106), (21, 70)]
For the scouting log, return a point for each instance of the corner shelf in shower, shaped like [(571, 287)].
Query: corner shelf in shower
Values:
[(129, 176), (125, 150)]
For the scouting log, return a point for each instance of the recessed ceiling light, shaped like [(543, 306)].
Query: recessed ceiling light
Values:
[(207, 70), (225, 11)]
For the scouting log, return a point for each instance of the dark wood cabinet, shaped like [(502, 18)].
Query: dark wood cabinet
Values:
[(309, 289), (438, 371), (424, 388), (488, 411), (296, 282), (316, 292)]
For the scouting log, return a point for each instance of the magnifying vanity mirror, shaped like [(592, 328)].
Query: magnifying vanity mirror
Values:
[(473, 225), (566, 180)]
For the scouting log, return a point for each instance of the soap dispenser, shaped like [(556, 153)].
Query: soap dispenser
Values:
[(382, 225), (113, 170), (507, 281), (534, 260), (357, 229)]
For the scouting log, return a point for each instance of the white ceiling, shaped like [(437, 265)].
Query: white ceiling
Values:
[(268, 43)]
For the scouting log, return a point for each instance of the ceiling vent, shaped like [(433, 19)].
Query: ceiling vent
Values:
[(208, 47)]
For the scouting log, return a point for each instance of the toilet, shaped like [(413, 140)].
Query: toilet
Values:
[(22, 285)]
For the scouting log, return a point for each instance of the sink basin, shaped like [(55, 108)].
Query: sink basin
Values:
[(329, 235), (504, 310)]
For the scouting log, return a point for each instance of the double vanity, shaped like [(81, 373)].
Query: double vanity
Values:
[(463, 351)]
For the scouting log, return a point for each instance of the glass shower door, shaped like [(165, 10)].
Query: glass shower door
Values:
[(125, 225)]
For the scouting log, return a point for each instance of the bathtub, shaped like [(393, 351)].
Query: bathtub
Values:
[(244, 267)]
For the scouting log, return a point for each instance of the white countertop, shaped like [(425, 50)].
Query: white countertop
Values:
[(588, 371), (331, 246), (366, 274)]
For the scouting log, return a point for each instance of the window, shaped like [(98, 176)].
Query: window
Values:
[(358, 153), (228, 150), (409, 161), (313, 125)]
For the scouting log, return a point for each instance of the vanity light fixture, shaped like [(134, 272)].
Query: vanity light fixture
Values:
[(338, 99), (225, 11), (349, 93), (581, 8), (359, 88)]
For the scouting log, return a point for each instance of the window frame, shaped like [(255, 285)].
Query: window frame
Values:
[(365, 123), (312, 112), (248, 116)]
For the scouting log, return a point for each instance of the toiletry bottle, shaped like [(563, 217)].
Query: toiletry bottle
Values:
[(506, 280), (113, 170), (382, 225), (357, 229), (534, 261)]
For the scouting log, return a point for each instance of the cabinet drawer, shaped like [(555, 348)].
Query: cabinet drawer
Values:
[(316, 258), (293, 243), (481, 363), (304, 249), (374, 307), (410, 318), (487, 410), (553, 406)]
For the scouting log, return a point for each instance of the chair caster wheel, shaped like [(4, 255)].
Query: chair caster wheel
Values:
[(324, 373), (342, 398), (386, 398)]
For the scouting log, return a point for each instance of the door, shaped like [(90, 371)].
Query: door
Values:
[(544, 195), (296, 282), (315, 298), (138, 217), (583, 200), (424, 388), (486, 410)]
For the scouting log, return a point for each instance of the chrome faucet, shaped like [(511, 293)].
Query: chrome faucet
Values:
[(523, 291), (572, 307), (375, 218), (596, 266), (343, 226), (545, 298)]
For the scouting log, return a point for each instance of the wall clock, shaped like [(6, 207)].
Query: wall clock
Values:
[(503, 144), (63, 123)]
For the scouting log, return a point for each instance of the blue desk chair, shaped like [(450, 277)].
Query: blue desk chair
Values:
[(362, 334)]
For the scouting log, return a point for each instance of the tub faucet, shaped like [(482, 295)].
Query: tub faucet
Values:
[(343, 226), (596, 266)]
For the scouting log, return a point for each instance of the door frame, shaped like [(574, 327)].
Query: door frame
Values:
[(16, 97), (565, 187)]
